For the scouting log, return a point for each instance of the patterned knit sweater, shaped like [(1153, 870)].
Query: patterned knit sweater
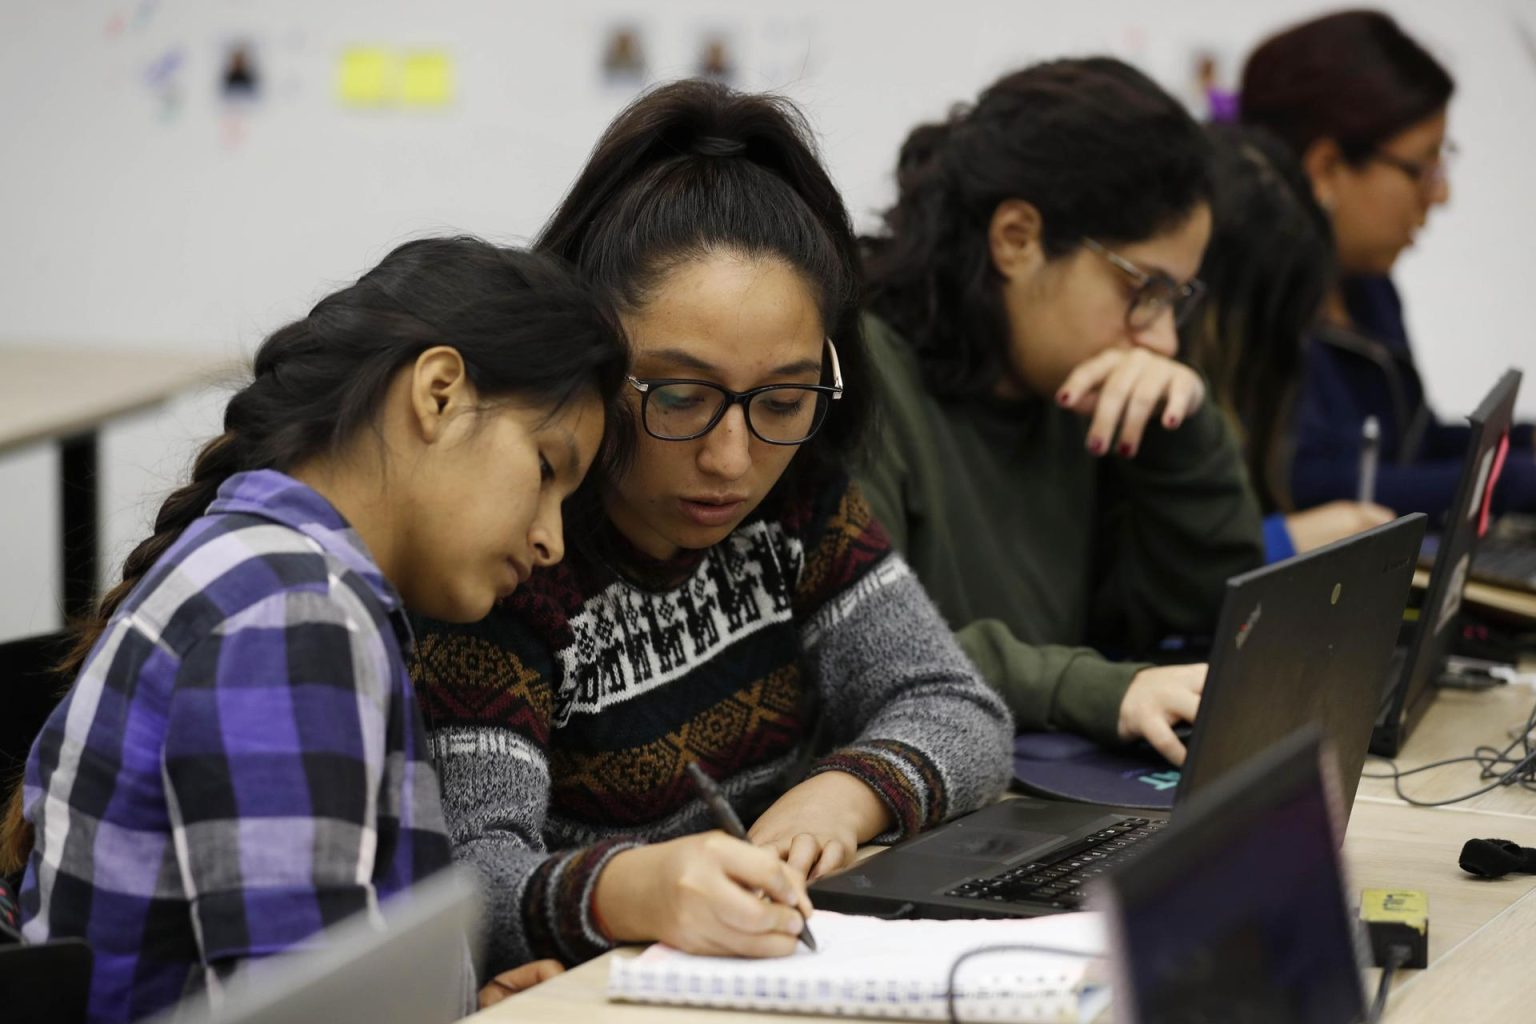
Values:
[(561, 725)]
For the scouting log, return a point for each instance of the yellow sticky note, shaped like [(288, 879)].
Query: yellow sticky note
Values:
[(366, 77), (426, 79)]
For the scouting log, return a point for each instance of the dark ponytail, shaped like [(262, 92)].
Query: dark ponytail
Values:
[(1268, 266), (1096, 146), (694, 168), (526, 326)]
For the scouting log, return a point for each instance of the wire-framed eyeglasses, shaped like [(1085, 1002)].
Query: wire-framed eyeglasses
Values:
[(1428, 175), (679, 409), (1155, 291)]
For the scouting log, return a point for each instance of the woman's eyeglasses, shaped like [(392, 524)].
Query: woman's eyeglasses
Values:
[(673, 409), (1427, 174), (1155, 291)]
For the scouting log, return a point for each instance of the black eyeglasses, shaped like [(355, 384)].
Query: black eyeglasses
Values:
[(1427, 174), (674, 409), (1154, 293)]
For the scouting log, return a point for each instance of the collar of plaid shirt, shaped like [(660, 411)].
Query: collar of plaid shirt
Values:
[(282, 499)]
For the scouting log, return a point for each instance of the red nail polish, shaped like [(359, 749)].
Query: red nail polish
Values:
[(1126, 450), (1170, 422), (1095, 446), (1064, 397)]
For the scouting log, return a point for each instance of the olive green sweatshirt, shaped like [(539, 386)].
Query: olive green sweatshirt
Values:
[(1040, 555)]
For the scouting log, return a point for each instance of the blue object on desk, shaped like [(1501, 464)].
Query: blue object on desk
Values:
[(1069, 767)]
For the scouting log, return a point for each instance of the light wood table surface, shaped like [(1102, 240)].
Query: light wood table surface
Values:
[(66, 394), (55, 392), (1480, 931), (1516, 603)]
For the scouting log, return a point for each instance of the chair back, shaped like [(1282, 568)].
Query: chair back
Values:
[(30, 688)]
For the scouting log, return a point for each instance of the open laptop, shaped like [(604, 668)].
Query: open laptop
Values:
[(1305, 641), (1240, 912), (1407, 692), (411, 969), (1506, 557)]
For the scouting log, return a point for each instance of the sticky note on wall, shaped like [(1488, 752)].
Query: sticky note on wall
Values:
[(367, 77), (374, 76), (426, 79)]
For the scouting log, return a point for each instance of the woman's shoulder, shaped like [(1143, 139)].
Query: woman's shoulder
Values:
[(892, 358), (227, 567), (838, 539)]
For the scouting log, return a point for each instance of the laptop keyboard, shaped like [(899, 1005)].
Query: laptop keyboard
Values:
[(1057, 879), (1510, 564)]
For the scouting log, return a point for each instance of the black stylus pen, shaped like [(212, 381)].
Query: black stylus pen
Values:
[(727, 820)]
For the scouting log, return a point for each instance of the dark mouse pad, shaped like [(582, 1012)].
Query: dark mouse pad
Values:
[(1072, 767)]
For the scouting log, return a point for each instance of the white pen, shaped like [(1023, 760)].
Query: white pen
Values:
[(1370, 452)]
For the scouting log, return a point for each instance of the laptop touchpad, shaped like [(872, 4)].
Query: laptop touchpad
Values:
[(981, 843)]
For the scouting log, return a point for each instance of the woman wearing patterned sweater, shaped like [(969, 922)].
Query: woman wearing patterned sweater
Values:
[(733, 603)]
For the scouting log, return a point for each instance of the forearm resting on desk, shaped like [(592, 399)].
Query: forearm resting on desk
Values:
[(817, 826)]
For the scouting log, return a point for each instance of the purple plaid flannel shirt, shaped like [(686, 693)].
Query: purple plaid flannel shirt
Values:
[(241, 761)]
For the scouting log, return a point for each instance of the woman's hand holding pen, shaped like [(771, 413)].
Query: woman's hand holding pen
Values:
[(700, 894), (818, 825)]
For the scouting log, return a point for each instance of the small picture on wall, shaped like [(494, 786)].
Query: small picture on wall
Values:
[(623, 56), (239, 75), (1214, 100), (717, 59)]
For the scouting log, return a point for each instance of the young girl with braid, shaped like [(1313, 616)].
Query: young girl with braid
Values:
[(241, 760), (734, 603)]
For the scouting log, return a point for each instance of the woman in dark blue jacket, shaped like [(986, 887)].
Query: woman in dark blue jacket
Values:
[(1364, 107)]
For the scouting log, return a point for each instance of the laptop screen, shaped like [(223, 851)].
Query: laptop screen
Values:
[(1238, 914)]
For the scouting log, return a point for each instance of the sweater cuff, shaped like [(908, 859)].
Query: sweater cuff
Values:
[(1278, 545), (559, 909), (906, 781), (1088, 698)]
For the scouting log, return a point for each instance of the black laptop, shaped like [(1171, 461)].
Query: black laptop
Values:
[(1240, 910), (1506, 558), (1407, 692), (1305, 641)]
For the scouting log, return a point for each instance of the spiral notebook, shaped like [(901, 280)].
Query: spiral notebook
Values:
[(868, 967)]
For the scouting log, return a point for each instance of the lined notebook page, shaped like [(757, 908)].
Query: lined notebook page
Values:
[(887, 969)]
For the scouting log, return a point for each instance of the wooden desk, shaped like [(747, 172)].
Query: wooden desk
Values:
[(66, 394), (1456, 723), (1504, 602), (1479, 929)]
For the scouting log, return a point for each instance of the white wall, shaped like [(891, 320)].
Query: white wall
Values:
[(130, 222)]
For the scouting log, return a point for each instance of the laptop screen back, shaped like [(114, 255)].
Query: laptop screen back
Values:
[(1304, 641), (1238, 912), (410, 967), (1466, 521)]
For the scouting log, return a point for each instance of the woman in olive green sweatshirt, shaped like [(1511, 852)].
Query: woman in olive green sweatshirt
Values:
[(1048, 467)]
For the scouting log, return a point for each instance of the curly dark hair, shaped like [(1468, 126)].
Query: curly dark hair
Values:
[(1268, 266), (1095, 145)]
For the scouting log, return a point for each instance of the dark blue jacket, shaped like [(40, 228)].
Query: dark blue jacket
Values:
[(1369, 371)]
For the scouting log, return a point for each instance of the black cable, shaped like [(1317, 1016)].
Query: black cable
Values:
[(1004, 947), (1396, 957), (1522, 770)]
